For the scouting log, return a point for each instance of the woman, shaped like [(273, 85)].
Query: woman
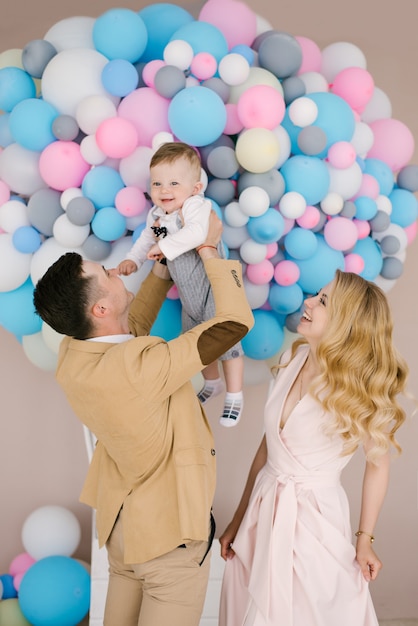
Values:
[(289, 552)]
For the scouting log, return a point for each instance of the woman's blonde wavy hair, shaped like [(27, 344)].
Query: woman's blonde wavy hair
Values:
[(362, 373)]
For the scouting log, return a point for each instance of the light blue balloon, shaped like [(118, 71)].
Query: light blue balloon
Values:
[(366, 208), (26, 239), (265, 338), (244, 51), (308, 175), (138, 230), (101, 184), (319, 269), (108, 224), (6, 137), (382, 173), (369, 250), (17, 313), (168, 322), (161, 21), (15, 85), (285, 299), (119, 77), (120, 34), (404, 207), (197, 116), (300, 243), (55, 591), (203, 37), (31, 123), (266, 228)]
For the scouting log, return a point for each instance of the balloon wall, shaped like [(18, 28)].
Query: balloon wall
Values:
[(301, 157), (44, 585)]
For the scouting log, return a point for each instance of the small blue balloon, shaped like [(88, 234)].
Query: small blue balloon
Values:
[(300, 243), (244, 51), (308, 175), (120, 34), (108, 224), (197, 116), (319, 269), (15, 85), (161, 21), (404, 207), (168, 322), (31, 123), (101, 184), (266, 228), (265, 338), (366, 208), (285, 299), (17, 313), (26, 239), (120, 77), (369, 250), (9, 590)]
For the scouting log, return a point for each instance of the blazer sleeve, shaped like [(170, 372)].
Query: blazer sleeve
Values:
[(147, 303)]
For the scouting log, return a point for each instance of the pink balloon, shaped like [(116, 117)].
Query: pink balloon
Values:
[(150, 69), (341, 154), (21, 563), (17, 580), (288, 225), (353, 263), (117, 137), (172, 293), (355, 85), (286, 273), (310, 217), (363, 228), (260, 273), (393, 143), (369, 187), (62, 166), (233, 124), (203, 65), (411, 232), (311, 55), (130, 201), (272, 249), (236, 21), (148, 111), (261, 106), (340, 233)]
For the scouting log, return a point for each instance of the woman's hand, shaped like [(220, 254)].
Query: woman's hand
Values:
[(226, 540), (369, 563)]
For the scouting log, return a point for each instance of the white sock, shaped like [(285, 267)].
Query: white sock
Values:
[(233, 406), (210, 389)]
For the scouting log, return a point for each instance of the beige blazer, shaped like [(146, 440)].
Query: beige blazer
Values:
[(155, 453)]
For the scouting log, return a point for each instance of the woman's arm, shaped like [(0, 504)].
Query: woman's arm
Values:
[(231, 530), (375, 484)]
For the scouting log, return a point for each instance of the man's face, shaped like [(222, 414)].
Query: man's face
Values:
[(111, 287)]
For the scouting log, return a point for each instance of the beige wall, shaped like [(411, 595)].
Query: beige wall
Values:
[(42, 453)]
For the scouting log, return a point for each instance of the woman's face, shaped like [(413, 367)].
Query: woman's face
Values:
[(314, 319)]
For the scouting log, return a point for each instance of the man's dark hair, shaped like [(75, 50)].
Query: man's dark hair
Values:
[(61, 297)]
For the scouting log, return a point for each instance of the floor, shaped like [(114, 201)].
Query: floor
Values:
[(390, 622)]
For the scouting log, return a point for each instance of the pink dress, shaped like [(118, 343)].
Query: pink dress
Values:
[(295, 561)]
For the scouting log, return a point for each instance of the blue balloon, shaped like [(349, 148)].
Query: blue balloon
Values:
[(138, 230), (203, 37), (108, 224), (161, 21), (15, 85), (26, 239), (244, 51), (197, 116), (9, 590), (300, 243), (55, 591), (265, 338), (168, 322), (370, 252), (404, 207), (285, 300), (101, 184), (6, 137), (382, 173), (266, 228), (319, 269), (17, 313), (308, 175), (31, 123), (120, 77), (366, 208), (120, 34)]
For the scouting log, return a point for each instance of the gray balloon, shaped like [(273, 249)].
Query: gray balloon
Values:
[(312, 140), (280, 54), (349, 209), (408, 178), (43, 209), (139, 68), (293, 87), (272, 182), (292, 321), (222, 162), (392, 268), (221, 190), (80, 211), (204, 151), (260, 38), (321, 223), (169, 80), (65, 127), (95, 249), (390, 244), (219, 87), (380, 221), (36, 55)]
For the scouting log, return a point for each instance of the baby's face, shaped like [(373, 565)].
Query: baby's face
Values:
[(172, 183)]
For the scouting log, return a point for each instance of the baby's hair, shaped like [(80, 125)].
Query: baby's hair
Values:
[(173, 150)]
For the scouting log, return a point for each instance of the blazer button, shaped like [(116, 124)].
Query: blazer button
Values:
[(213, 452)]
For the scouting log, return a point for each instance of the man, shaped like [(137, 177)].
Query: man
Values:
[(152, 476)]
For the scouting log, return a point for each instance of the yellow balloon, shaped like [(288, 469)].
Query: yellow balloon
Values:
[(257, 150), (11, 58), (256, 76)]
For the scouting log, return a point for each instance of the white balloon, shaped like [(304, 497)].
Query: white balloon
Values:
[(340, 55), (346, 182), (378, 107), (303, 111), (314, 82), (292, 205), (51, 338), (14, 265), (68, 234), (45, 256), (178, 53), (234, 237), (253, 252), (234, 216), (92, 110), (234, 69), (384, 204), (51, 531), (68, 195), (363, 139), (13, 215), (134, 169), (160, 138), (19, 169), (72, 32), (38, 353), (285, 145), (332, 203), (90, 151), (254, 201), (257, 295)]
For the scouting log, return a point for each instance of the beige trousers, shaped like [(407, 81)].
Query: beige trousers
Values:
[(167, 591)]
